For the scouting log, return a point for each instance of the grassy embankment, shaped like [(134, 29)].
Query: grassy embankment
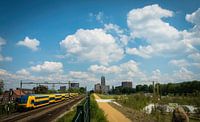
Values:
[(134, 103), (70, 115), (181, 100), (96, 114)]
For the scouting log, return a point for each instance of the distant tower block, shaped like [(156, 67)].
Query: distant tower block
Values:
[(103, 81)]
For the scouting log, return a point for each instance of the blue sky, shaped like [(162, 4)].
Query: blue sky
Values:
[(79, 41)]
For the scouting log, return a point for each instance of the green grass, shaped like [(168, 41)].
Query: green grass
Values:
[(102, 96), (134, 101), (182, 100), (96, 114), (68, 117)]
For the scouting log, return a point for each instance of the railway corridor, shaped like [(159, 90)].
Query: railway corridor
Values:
[(112, 114), (44, 114)]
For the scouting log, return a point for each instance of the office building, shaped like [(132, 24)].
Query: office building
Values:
[(74, 85), (102, 88), (103, 81), (127, 84), (97, 88), (63, 88)]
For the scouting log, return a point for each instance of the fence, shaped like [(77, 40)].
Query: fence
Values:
[(83, 111)]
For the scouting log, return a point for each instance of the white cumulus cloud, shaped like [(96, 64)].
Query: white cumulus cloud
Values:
[(125, 71), (179, 63), (194, 17), (23, 72), (47, 66), (32, 44), (162, 38), (103, 69), (3, 58), (93, 45)]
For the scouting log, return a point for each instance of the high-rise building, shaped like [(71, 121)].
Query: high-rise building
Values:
[(127, 84), (103, 81), (102, 88), (97, 87), (105, 89)]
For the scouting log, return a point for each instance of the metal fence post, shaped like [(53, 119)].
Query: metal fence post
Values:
[(79, 114), (89, 107), (83, 111)]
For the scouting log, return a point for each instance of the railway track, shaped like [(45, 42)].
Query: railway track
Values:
[(44, 114)]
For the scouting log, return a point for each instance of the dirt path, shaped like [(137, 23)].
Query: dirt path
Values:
[(113, 115)]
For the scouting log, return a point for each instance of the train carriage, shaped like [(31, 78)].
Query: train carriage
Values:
[(32, 101), (52, 98), (37, 100), (58, 97), (40, 100)]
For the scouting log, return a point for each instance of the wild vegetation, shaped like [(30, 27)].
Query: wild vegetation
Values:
[(41, 89), (135, 101), (70, 115), (96, 114), (189, 88)]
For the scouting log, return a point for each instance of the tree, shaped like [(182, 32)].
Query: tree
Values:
[(40, 89), (138, 88), (151, 88), (145, 88), (82, 90)]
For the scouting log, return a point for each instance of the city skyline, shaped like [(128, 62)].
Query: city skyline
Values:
[(81, 41)]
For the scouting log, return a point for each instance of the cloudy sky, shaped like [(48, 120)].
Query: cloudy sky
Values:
[(58, 41)]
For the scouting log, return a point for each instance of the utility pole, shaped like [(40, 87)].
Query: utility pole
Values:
[(69, 87), (157, 89), (153, 89), (20, 87), (53, 86)]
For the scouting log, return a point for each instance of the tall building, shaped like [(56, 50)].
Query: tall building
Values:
[(97, 88), (103, 81), (127, 84), (105, 89), (102, 88)]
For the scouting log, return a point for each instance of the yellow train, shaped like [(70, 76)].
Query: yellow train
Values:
[(37, 100)]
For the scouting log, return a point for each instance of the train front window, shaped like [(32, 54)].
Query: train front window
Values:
[(23, 99), (32, 101)]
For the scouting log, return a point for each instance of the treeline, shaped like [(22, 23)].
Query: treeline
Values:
[(44, 90), (183, 88)]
